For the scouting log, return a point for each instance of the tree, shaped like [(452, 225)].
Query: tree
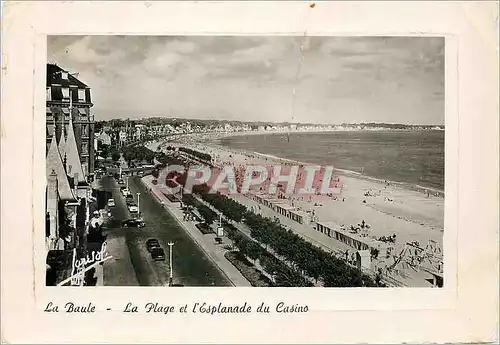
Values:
[(254, 250), (105, 150), (115, 156)]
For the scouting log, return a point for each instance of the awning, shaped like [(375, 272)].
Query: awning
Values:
[(48, 111), (65, 111), (82, 111)]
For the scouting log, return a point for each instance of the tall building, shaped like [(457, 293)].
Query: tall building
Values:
[(69, 169), (69, 102)]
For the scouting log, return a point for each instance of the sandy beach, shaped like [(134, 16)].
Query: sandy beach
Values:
[(411, 214)]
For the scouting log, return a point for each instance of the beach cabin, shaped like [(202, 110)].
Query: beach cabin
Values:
[(363, 259), (300, 217), (356, 241), (270, 202), (283, 209), (326, 228)]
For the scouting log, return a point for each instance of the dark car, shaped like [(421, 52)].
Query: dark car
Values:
[(158, 254), (133, 223), (152, 244)]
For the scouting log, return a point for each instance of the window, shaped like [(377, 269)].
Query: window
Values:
[(64, 75), (85, 148), (84, 131), (48, 114), (65, 94), (48, 94), (47, 224), (50, 129), (81, 95)]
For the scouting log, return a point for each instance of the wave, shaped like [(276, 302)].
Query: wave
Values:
[(357, 174)]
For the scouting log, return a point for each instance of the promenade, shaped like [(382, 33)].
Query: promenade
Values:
[(207, 242)]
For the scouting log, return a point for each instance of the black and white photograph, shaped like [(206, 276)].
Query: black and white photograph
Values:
[(299, 171), (245, 161)]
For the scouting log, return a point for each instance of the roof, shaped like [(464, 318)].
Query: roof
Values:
[(54, 76), (54, 163), (371, 242), (330, 225), (300, 213), (62, 144), (73, 163), (285, 206)]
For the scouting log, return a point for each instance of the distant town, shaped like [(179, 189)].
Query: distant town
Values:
[(126, 131)]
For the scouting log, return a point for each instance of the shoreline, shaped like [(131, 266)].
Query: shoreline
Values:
[(216, 138), (344, 172), (354, 174)]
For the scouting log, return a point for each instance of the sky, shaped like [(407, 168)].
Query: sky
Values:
[(328, 80)]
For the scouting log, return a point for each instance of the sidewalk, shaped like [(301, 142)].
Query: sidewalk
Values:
[(206, 242), (118, 271), (99, 272), (245, 230)]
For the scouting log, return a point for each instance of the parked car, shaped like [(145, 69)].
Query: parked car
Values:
[(133, 223), (158, 254), (120, 181), (133, 208), (152, 244), (151, 241), (111, 203)]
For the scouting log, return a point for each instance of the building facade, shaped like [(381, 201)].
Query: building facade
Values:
[(68, 101), (69, 170)]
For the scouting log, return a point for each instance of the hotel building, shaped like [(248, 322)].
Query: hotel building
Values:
[(69, 100), (69, 170)]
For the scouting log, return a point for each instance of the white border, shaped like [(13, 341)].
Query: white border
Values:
[(451, 314)]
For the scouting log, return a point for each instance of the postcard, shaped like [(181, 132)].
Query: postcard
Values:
[(297, 171)]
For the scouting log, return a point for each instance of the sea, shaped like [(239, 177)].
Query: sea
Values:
[(409, 157)]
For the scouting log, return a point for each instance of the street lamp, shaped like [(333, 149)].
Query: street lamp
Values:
[(171, 244), (138, 200)]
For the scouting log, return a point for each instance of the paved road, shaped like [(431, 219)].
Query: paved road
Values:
[(191, 267)]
